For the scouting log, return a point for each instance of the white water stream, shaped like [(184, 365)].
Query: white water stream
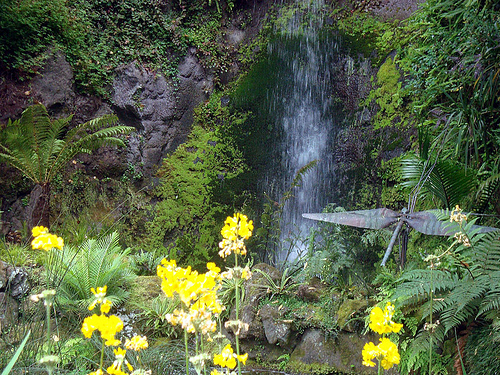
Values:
[(306, 125)]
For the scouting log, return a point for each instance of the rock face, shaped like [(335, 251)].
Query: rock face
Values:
[(159, 108), (254, 291), (13, 286)]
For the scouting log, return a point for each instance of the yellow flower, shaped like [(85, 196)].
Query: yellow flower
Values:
[(98, 372), (136, 343), (100, 295), (227, 358), (390, 353), (242, 358), (116, 367), (107, 325), (36, 231), (370, 351), (237, 226), (381, 320), (216, 372), (386, 352), (212, 267), (47, 241)]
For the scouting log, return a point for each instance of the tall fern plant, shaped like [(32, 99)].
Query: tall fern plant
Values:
[(40, 148), (462, 285), (94, 263)]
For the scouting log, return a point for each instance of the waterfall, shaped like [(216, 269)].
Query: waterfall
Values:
[(306, 118)]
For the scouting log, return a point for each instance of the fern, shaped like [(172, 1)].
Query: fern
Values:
[(469, 292)]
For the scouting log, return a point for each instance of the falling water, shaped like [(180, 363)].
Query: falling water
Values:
[(307, 118)]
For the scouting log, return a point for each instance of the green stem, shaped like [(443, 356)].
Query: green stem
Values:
[(379, 370), (203, 351), (430, 329), (186, 349), (102, 356), (237, 302), (49, 344)]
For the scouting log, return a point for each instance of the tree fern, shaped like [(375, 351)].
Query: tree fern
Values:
[(38, 147), (448, 181)]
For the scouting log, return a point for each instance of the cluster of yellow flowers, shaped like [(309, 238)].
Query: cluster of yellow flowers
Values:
[(381, 320), (198, 293), (386, 352), (109, 326), (43, 240), (227, 358), (236, 229)]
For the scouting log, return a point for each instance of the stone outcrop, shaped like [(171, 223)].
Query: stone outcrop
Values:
[(161, 109)]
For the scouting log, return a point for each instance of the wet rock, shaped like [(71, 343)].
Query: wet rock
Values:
[(312, 291), (9, 310), (339, 354), (254, 291), (54, 86), (276, 329), (160, 109)]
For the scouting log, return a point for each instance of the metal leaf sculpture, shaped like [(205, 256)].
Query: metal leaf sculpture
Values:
[(425, 222)]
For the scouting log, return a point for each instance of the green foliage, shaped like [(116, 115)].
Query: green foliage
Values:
[(268, 235), (198, 188), (342, 256), (467, 289), (448, 183), (285, 285), (29, 27), (481, 351), (453, 62), (389, 97), (40, 148), (13, 361), (152, 321), (371, 33), (144, 263), (95, 263)]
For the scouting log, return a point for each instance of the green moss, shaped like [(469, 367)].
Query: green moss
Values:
[(297, 367), (198, 188), (349, 309), (389, 97)]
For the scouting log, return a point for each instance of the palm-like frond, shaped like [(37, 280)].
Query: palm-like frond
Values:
[(448, 181), (98, 262)]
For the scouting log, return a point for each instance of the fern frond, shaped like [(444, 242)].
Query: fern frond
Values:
[(301, 172)]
